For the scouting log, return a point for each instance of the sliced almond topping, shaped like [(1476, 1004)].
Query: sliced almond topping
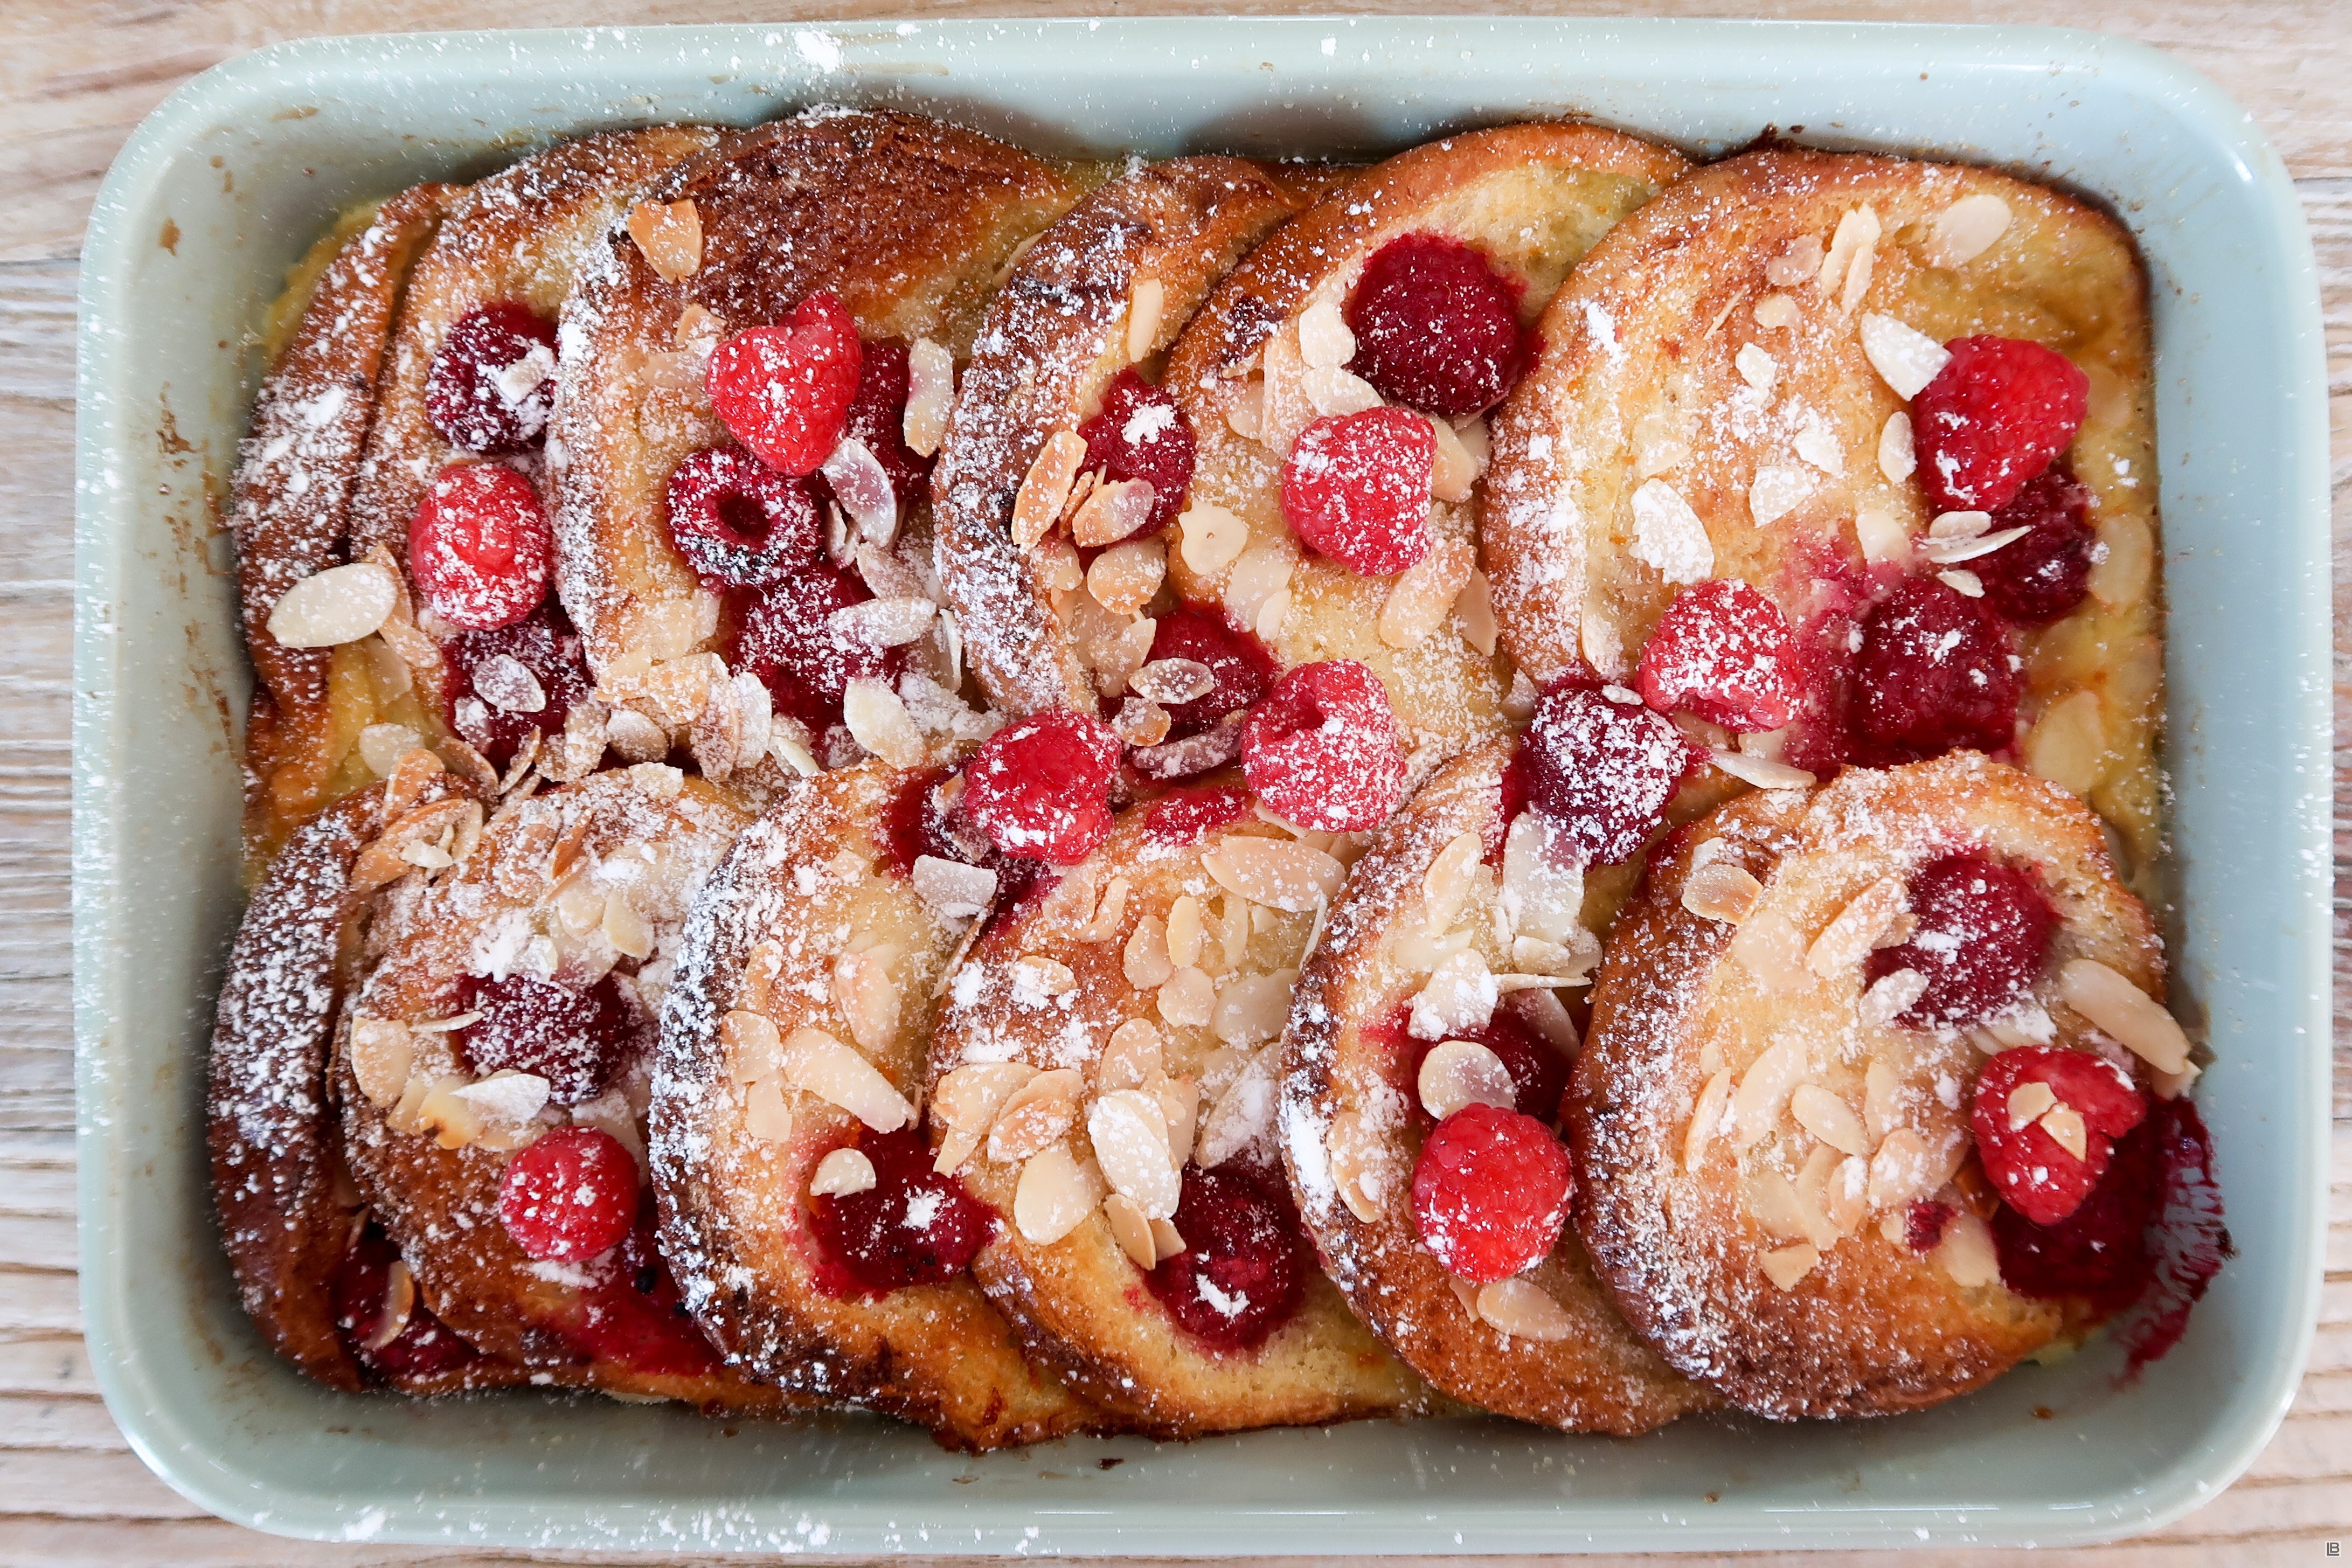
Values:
[(382, 1052), (1845, 271), (1786, 1266), (2122, 574), (1054, 1196), (1252, 1008), (453, 1121), (816, 1063), (1188, 999), (1145, 959), (2065, 1127), (841, 1174), (1331, 390), (1846, 939), (1125, 576), (1456, 468), (1245, 414), (1283, 875), (1882, 536), (1543, 882), (1323, 340), (383, 861), (957, 1148), (1463, 1072), (1720, 890), (1844, 1196), (399, 1306), (381, 747), (626, 928), (1669, 536), (1458, 998), (1829, 1118), (1961, 580), (1422, 594), (1112, 512), (1213, 537), (635, 738), (1776, 492), (1903, 1169), (1965, 1252), (1476, 606), (1881, 1100), (670, 235), (1130, 1057), (1046, 489), (1172, 680), (930, 393), (1103, 925), (1952, 551), (1348, 1149), (1260, 573), (2028, 1100), (1059, 570), (868, 1000), (1131, 1229), (405, 784), (1904, 358), (1244, 1112), (1764, 1088), (1891, 995), (753, 1048), (1524, 1309), (1799, 262), (766, 1116), (1446, 884), (1757, 368), (1776, 311), (1180, 1108), (1166, 1241), (969, 1098), (2069, 745), (2123, 1011), (1708, 1120), (951, 889), (1130, 1143), (341, 604), (1037, 980), (1147, 301), (1031, 1126), (1964, 230), (1897, 458), (883, 623), (879, 722)]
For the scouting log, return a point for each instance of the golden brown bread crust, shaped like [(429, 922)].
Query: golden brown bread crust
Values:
[(1057, 332), (805, 886), (908, 220), (1598, 1377), (644, 832), (1534, 198), (1079, 1302), (1637, 382), (1874, 1328), (297, 473)]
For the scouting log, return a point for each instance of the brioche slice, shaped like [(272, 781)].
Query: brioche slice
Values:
[(1365, 1079), (1268, 354), (1102, 1076), (507, 1016), (806, 986), (1725, 391), (1103, 291), (1774, 1115), (907, 224)]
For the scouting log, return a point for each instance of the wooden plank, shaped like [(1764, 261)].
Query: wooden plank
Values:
[(83, 1484)]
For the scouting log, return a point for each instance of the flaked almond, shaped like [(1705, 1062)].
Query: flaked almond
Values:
[(382, 1052), (1031, 1126), (1422, 595), (1245, 411), (1846, 269), (1458, 463), (2069, 745), (1243, 1114), (1963, 582), (1882, 536), (883, 623), (816, 1063), (452, 1121), (1764, 1088), (1951, 551), (405, 785), (1172, 680), (1325, 341), (955, 1150), (1810, 1188), (1844, 1197), (1904, 358), (753, 1050), (1669, 535), (626, 928), (381, 747), (1829, 1118), (1130, 1057), (1259, 574), (1892, 994), (969, 1098), (1112, 512), (1661, 438), (1045, 488), (1131, 1229), (841, 1174), (1463, 1072), (2028, 1100), (1964, 230), (1348, 1151), (1280, 874), (341, 604), (930, 393), (1708, 1120), (1445, 886), (1180, 1108), (1458, 998), (1124, 577), (951, 889), (1722, 891), (1058, 569), (1903, 1169), (1147, 303), (1138, 723), (1524, 1309), (634, 737), (1897, 458), (868, 1001), (670, 235), (1054, 1196), (1104, 924), (2064, 1124), (1212, 538), (1774, 312), (1785, 1266), (1332, 390), (2122, 574), (1776, 492), (1800, 262), (1756, 367), (1145, 959), (1188, 999), (1130, 1145), (1476, 608), (1039, 980), (1184, 931), (1848, 938), (2123, 1010), (766, 1115), (1166, 1240), (1881, 1092), (1818, 443), (879, 720), (862, 488), (1965, 1253), (382, 861), (1543, 882)]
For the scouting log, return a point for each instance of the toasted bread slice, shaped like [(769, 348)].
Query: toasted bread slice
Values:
[(1353, 1124), (585, 883), (1073, 1022), (809, 926), (1755, 1255), (1107, 288), (1714, 346), (908, 221), (1533, 199), (290, 1215)]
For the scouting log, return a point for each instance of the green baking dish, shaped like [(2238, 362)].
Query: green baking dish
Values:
[(222, 188)]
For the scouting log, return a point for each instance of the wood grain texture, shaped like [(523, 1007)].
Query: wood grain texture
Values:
[(74, 79)]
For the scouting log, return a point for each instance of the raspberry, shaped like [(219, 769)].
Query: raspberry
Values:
[(1538, 1073), (2039, 577), (1436, 327), (569, 1195), (1984, 930), (1355, 487), (1604, 771), (913, 1227), (1243, 1271), (1994, 417), (1935, 672), (878, 417), (785, 392), (576, 1040), (785, 639), (1923, 1222), (636, 1316), (2187, 1237), (1491, 1193), (480, 548), (2098, 1254), (424, 1347), (481, 392), (1724, 652), (542, 643), (1511, 798), (739, 523), (1188, 815), (1039, 787), (1321, 748), (1239, 662), (1141, 433), (2032, 1171)]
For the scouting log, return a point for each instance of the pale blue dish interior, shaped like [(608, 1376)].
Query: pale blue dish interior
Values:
[(230, 180)]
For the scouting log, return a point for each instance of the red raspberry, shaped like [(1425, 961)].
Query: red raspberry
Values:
[(479, 547), (785, 392), (913, 1227), (2187, 1237), (1538, 1073), (1724, 652), (424, 1347), (479, 392), (2098, 1254), (577, 1040), (2042, 576), (1040, 786), (1141, 433), (1984, 931), (1188, 815), (2032, 1171), (544, 644), (1923, 1222), (878, 417), (1994, 417), (1491, 1193), (1604, 771), (1511, 798), (1238, 661), (1244, 1269), (1355, 487), (636, 1317), (569, 1195), (1935, 672), (1436, 327), (786, 640), (1321, 748), (739, 523)]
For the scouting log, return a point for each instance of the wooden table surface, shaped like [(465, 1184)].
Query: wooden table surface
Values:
[(76, 75)]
